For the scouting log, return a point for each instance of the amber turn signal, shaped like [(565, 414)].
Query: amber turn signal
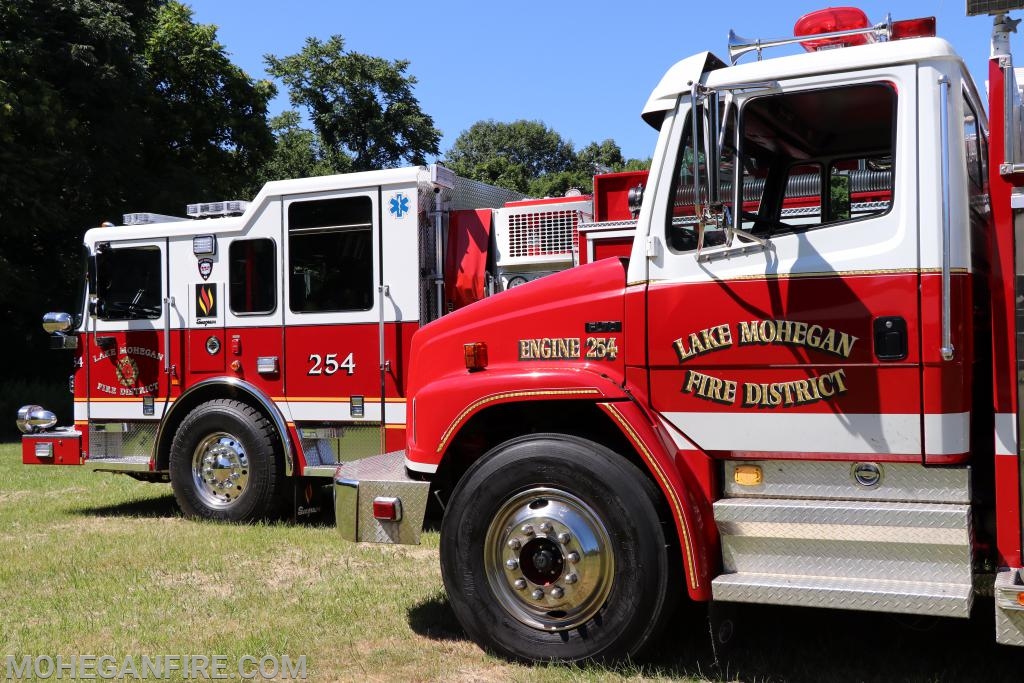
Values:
[(476, 356)]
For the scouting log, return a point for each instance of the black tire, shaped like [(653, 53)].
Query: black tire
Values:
[(244, 479), (621, 594)]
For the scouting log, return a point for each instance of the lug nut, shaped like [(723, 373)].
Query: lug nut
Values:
[(515, 544), (571, 578), (557, 592), (537, 594), (520, 584), (527, 529), (545, 527), (564, 538), (574, 557), (512, 564)]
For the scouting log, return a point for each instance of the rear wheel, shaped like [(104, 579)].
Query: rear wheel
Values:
[(223, 463), (552, 549)]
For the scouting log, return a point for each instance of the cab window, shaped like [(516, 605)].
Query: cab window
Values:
[(128, 283), (330, 252), (253, 281), (805, 160)]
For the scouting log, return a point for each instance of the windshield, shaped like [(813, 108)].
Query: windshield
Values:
[(128, 283)]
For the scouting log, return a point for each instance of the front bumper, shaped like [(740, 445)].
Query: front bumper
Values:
[(359, 483)]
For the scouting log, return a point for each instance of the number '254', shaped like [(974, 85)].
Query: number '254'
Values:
[(328, 364)]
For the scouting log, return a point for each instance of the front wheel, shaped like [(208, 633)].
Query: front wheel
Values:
[(223, 463), (552, 549)]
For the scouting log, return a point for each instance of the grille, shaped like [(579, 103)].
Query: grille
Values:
[(121, 439), (545, 234), (540, 234)]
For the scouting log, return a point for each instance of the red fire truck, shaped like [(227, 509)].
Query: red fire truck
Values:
[(794, 387), (241, 353), (798, 389)]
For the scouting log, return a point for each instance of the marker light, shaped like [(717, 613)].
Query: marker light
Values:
[(387, 509), (476, 356), (924, 27), (828, 21)]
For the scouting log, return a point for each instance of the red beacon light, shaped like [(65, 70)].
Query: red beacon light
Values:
[(832, 20), (839, 20)]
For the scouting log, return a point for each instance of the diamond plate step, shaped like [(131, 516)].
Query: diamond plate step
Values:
[(1009, 611), (128, 463), (871, 595)]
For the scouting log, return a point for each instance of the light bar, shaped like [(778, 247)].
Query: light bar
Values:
[(145, 218), (234, 207)]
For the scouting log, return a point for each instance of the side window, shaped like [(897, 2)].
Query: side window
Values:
[(253, 277), (330, 252), (975, 150), (129, 283), (806, 160)]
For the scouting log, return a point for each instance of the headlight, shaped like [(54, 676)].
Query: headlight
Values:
[(33, 418)]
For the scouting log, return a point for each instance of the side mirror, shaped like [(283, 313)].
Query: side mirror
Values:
[(58, 323)]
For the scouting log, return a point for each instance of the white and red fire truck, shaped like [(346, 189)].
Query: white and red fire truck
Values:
[(798, 387), (254, 346)]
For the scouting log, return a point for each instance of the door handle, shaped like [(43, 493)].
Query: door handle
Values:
[(890, 338)]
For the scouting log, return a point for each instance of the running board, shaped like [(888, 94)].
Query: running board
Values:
[(908, 558), (869, 595), (130, 463)]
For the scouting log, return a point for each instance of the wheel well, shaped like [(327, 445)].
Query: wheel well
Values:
[(199, 395), (498, 424)]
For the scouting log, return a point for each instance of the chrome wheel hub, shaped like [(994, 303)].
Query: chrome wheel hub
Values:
[(548, 559), (220, 470)]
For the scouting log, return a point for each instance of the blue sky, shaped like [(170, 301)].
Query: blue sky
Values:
[(585, 69)]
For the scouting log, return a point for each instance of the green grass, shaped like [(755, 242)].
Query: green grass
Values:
[(102, 564)]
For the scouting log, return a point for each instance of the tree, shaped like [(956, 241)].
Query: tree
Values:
[(298, 153), (106, 106), (362, 107), (510, 154), (207, 118), (530, 157)]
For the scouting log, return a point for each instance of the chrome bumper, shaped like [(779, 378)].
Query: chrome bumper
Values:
[(359, 483)]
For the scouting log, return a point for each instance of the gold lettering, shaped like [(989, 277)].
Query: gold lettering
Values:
[(814, 336), (681, 350), (749, 333), (800, 333), (845, 344)]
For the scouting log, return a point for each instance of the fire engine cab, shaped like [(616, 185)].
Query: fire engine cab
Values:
[(788, 378), (253, 346), (800, 388)]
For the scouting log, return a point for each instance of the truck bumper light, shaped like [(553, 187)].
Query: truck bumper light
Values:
[(44, 450), (387, 509), (476, 356)]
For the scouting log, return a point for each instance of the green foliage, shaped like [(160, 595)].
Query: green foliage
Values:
[(107, 106), (362, 108), (298, 153), (530, 157)]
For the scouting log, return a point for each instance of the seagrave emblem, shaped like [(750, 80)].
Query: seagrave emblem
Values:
[(399, 205)]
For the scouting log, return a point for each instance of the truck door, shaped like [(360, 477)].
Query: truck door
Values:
[(332, 316), (127, 351), (800, 340)]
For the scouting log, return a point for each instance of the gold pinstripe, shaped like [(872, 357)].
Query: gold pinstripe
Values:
[(503, 395), (660, 473)]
